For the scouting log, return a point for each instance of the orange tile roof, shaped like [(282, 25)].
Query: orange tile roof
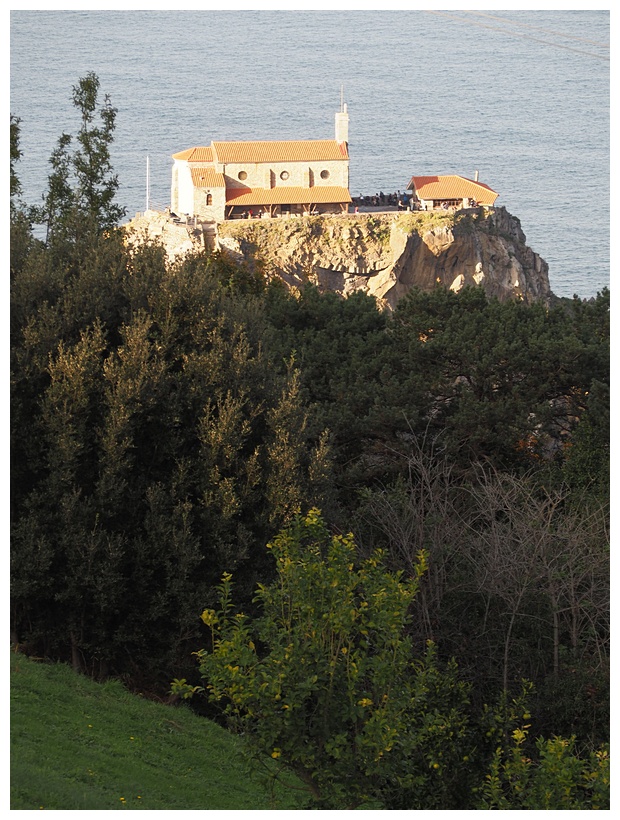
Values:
[(198, 154), (287, 195), (207, 178), (280, 151), (452, 187)]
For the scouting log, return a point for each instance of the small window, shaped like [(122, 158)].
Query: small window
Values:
[(209, 199), (284, 175), (243, 175), (324, 174)]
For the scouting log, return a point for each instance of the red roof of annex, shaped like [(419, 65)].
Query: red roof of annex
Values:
[(452, 186)]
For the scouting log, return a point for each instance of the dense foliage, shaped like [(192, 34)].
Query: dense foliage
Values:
[(324, 679), (169, 419), (327, 682)]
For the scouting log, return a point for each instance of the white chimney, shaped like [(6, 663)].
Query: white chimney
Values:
[(342, 125), (476, 176)]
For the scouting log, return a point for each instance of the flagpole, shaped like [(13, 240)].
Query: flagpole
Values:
[(147, 183)]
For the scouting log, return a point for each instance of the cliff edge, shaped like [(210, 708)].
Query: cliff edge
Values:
[(386, 254)]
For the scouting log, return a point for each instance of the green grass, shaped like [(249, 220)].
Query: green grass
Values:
[(78, 744)]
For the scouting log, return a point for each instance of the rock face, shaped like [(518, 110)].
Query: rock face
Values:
[(177, 238), (387, 254)]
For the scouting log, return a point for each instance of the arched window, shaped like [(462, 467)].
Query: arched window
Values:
[(209, 199)]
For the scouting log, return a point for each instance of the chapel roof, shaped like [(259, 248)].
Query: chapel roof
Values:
[(266, 151), (280, 151), (207, 178), (452, 186), (197, 154), (287, 195)]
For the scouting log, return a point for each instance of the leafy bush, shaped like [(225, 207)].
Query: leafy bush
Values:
[(325, 682), (554, 778)]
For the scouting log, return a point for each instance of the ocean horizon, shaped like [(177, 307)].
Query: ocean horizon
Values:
[(521, 97)]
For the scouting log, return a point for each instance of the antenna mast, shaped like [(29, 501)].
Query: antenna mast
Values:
[(341, 98)]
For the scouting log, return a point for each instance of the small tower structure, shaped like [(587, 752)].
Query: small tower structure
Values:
[(342, 121)]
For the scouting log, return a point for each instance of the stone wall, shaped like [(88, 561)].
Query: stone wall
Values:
[(296, 174)]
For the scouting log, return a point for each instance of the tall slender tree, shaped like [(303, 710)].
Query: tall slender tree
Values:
[(80, 199), (21, 217), (97, 185), (59, 198), (16, 154)]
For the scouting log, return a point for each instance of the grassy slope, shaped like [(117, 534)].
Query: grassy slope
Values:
[(77, 744)]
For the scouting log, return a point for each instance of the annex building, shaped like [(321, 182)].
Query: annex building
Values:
[(226, 180), (450, 191)]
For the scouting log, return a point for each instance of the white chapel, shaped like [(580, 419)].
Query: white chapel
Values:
[(226, 180)]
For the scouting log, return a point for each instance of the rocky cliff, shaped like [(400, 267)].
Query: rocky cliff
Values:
[(175, 236), (389, 253)]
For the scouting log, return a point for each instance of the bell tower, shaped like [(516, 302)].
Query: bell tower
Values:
[(342, 121)]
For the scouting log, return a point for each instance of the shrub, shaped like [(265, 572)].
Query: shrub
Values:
[(324, 680)]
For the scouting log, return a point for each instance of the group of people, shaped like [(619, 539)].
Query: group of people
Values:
[(398, 199), (405, 202), (454, 206), (250, 214)]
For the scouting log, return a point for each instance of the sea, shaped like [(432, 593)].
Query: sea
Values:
[(520, 96)]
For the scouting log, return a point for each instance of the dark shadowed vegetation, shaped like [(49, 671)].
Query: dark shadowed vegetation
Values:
[(168, 420)]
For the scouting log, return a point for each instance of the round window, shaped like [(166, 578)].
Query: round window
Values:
[(284, 175), (243, 175), (324, 174)]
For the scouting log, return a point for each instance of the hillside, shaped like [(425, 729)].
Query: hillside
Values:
[(377, 528), (77, 744)]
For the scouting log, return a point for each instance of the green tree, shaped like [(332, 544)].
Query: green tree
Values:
[(506, 381), (350, 378), (150, 436), (97, 184), (16, 154), (324, 680), (587, 454), (59, 198), (82, 186), (21, 217)]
